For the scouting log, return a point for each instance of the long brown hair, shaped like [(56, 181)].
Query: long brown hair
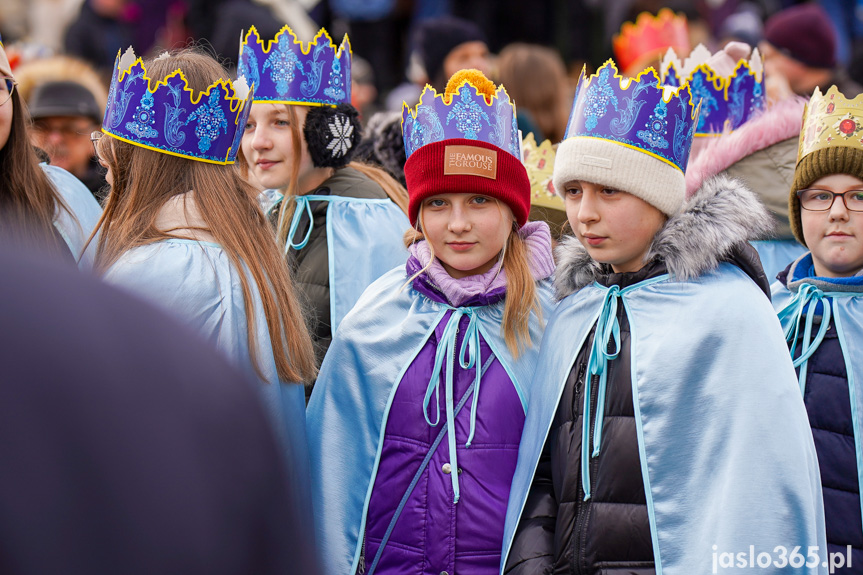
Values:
[(28, 200), (144, 180), (535, 78), (521, 295), (394, 190)]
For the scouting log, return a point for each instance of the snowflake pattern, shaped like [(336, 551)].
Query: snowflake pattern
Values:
[(211, 121), (467, 114), (143, 118), (657, 126), (341, 131), (282, 62), (597, 99)]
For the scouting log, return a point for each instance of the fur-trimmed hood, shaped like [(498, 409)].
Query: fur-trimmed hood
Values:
[(722, 214)]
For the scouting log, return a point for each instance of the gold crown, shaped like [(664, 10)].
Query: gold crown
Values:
[(539, 163), (831, 120)]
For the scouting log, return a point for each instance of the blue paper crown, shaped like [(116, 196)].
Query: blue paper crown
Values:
[(286, 72), (727, 102), (172, 119), (465, 113), (634, 113)]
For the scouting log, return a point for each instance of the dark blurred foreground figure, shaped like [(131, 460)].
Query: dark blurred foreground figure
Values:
[(147, 453)]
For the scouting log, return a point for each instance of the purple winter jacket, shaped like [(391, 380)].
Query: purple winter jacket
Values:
[(433, 535)]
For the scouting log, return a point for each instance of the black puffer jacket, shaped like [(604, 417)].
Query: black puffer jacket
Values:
[(310, 265), (828, 404), (610, 533)]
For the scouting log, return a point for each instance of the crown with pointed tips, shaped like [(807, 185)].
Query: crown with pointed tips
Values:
[(288, 72), (727, 101), (171, 118), (539, 162), (471, 107), (648, 38), (637, 113), (831, 120)]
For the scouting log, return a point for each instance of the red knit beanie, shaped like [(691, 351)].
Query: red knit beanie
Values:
[(465, 166)]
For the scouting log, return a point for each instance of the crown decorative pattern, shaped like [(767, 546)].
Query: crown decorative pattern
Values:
[(649, 37), (172, 119), (727, 101), (635, 112), (464, 113), (538, 160), (831, 120), (288, 72)]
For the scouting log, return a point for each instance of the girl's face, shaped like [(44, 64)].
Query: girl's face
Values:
[(614, 227), (466, 231), (268, 144), (6, 112), (835, 236)]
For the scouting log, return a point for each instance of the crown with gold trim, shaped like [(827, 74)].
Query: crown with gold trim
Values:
[(538, 160), (169, 117), (831, 120), (648, 38), (286, 71), (471, 107), (727, 101), (638, 113)]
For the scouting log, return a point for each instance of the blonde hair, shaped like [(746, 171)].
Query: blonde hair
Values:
[(535, 77), (144, 180), (521, 293), (394, 190)]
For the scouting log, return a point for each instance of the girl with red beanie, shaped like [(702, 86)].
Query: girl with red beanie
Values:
[(418, 410)]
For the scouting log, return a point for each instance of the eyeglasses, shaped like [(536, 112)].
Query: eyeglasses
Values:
[(95, 137), (7, 86), (822, 200)]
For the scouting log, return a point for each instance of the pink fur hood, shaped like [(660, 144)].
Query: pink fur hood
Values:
[(782, 121)]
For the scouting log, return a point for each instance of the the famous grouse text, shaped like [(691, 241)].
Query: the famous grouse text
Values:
[(470, 161)]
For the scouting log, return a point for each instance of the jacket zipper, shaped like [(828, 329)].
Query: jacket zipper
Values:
[(361, 566), (584, 506)]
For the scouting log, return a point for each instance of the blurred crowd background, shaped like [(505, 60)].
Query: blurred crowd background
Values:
[(62, 50)]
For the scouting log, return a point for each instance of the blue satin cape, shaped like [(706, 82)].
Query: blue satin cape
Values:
[(364, 241), (349, 407), (196, 282), (75, 227), (846, 311), (726, 453), (777, 254)]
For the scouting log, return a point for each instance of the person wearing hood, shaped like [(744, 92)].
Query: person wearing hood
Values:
[(744, 136), (647, 445)]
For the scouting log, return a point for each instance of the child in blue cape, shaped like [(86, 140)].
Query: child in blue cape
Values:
[(39, 203), (415, 420), (665, 433), (819, 298), (182, 230)]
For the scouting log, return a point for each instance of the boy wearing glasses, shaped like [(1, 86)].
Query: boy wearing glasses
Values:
[(819, 299)]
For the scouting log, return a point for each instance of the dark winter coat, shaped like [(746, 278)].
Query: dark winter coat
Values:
[(828, 404), (610, 532), (310, 265)]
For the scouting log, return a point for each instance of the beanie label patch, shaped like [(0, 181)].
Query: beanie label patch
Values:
[(470, 161), (596, 161)]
